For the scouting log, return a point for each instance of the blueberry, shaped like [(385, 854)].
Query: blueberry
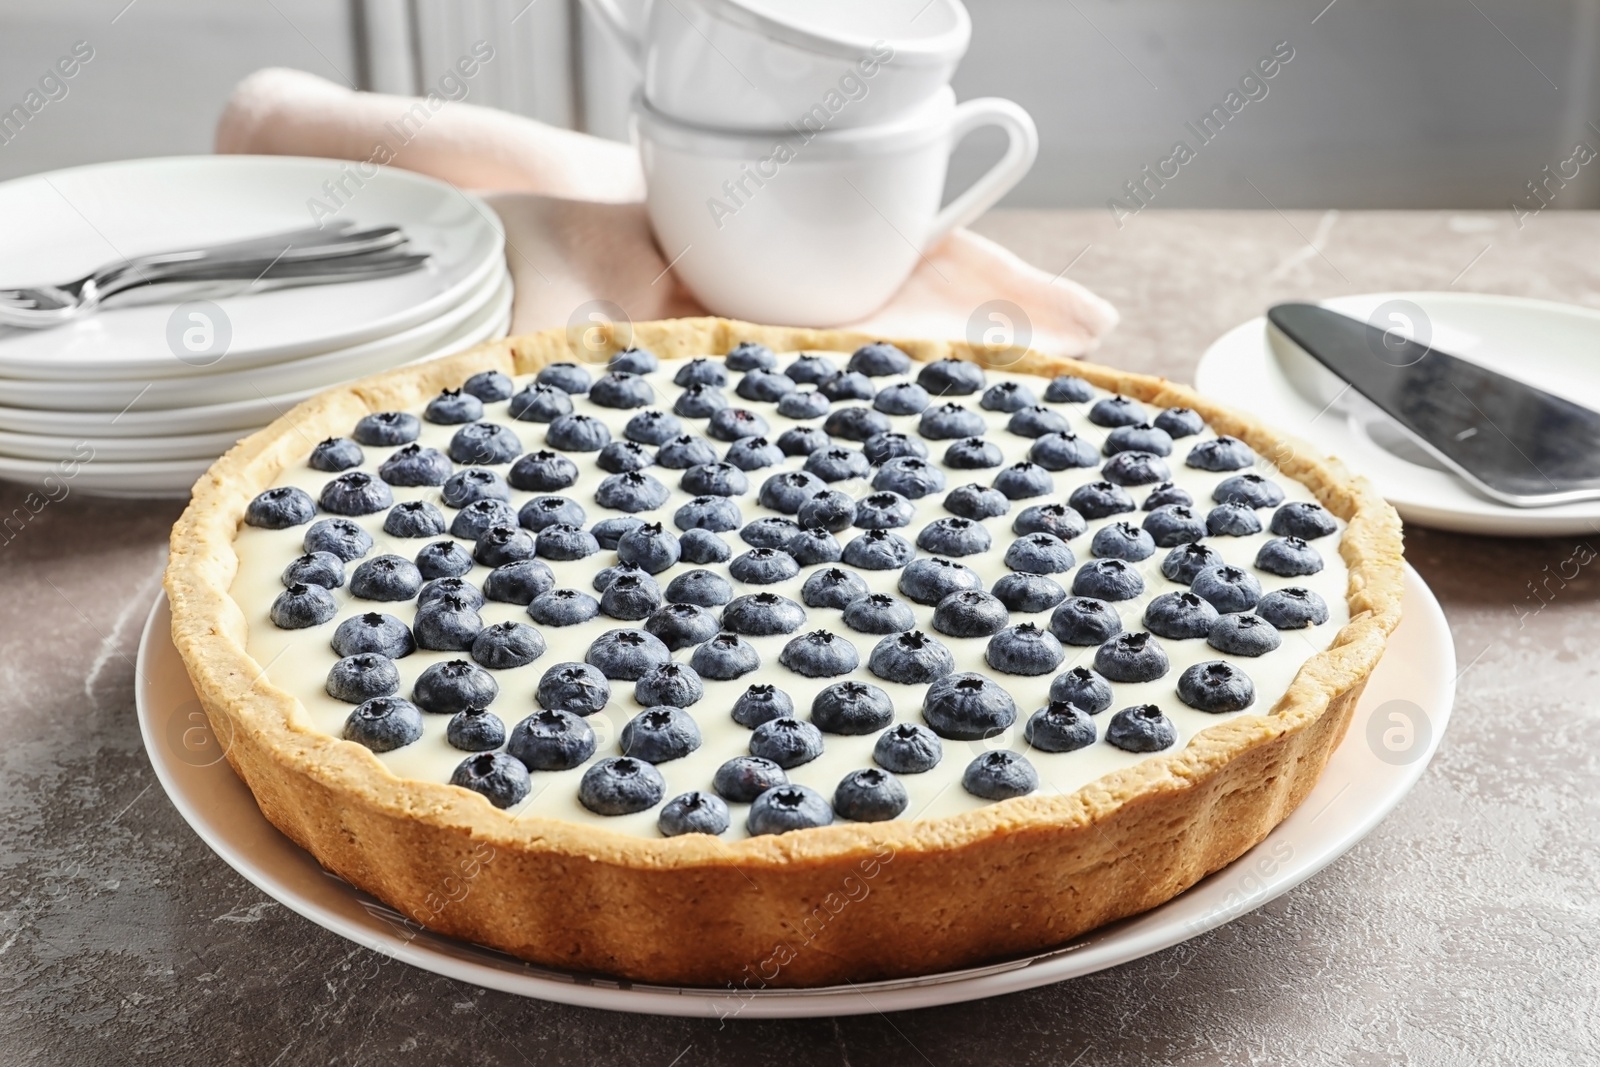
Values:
[(764, 385), (973, 453), (878, 613), (748, 355), (626, 655), (580, 688), (730, 424), (486, 444), (911, 477), (811, 369), (1036, 421), (1000, 775), (705, 589), (951, 377), (1058, 519), (479, 517), (630, 597), (453, 407), (856, 423), (761, 703), (660, 734), (386, 578), (681, 625), (1184, 562), (699, 402), (505, 645), (354, 679), (930, 580), (838, 464), (753, 454), (902, 398), (1062, 451), (542, 472), (459, 587), (1304, 520), (945, 422), (351, 493), (634, 361), (476, 730), (1221, 454), (632, 492), (884, 511), (1135, 468), (1124, 541), (685, 451), (788, 742), (1107, 579), (341, 537), (301, 606), (670, 684), (878, 550), (968, 707), (384, 724), (763, 566), (1008, 397), (744, 778), (701, 372), (1100, 500), (563, 607), (500, 545), (1068, 390), (315, 568), (787, 492), (786, 808), (387, 428), (1179, 422), (724, 658), (1083, 688), (539, 402), (908, 748), (1116, 411), (1141, 728), (1293, 608), (446, 624), (1028, 593), (804, 404), (693, 813), (771, 531), (650, 548), (910, 658), (1059, 727), (1166, 493), (1131, 657), (1229, 589), (1040, 553), (820, 654), (1179, 616), (567, 377), (976, 502), (618, 457), (763, 615), (703, 546), (452, 686), (869, 795), (1216, 687), (833, 587), (1232, 520), (954, 537), (1084, 621), (1140, 438), (551, 741), (1172, 525), (652, 427), (621, 390), (474, 483), (335, 454), (881, 448), (621, 785), (1243, 635), (574, 432), (1249, 489), (1024, 649), (879, 360), (970, 613), (831, 510), (543, 511), (488, 386), (443, 559)]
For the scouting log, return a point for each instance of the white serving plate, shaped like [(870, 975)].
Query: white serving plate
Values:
[(64, 224), (1553, 346), (1362, 783)]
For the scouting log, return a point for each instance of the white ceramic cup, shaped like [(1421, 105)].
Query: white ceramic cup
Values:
[(816, 229), (762, 64)]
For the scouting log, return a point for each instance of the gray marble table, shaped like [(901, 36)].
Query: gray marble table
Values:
[(1465, 929)]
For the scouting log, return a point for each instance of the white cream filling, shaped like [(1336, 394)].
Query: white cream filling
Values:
[(297, 661)]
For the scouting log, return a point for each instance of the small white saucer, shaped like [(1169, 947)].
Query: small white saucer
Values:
[(1555, 347), (1396, 728)]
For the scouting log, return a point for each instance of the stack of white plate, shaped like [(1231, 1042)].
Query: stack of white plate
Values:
[(137, 400)]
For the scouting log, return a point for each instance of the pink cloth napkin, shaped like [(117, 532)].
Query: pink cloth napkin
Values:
[(576, 230)]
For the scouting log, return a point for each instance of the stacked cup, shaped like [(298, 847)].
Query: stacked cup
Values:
[(795, 150)]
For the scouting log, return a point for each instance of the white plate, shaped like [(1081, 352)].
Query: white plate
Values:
[(1553, 346), (90, 393), (206, 418), (1359, 787), (64, 224), (122, 449)]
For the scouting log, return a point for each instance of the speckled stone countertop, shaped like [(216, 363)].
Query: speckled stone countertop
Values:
[(1465, 929)]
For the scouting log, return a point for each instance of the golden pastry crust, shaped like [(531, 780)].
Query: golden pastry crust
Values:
[(849, 902)]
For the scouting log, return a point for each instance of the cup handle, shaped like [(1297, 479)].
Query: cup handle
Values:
[(1022, 147), (617, 27)]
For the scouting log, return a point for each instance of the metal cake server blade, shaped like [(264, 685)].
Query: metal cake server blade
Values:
[(1514, 443)]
